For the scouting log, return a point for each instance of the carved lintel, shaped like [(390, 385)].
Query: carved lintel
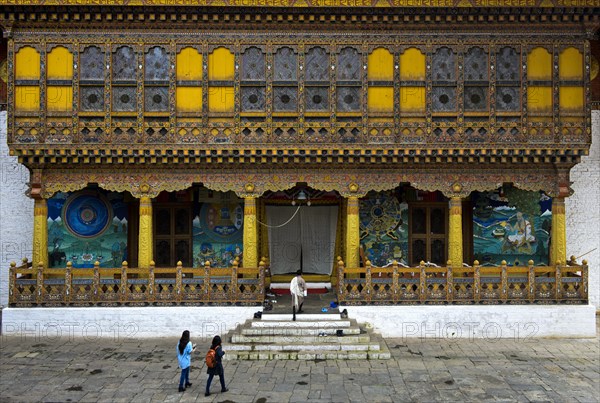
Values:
[(355, 183)]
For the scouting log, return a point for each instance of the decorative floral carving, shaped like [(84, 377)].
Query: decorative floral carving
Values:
[(253, 183)]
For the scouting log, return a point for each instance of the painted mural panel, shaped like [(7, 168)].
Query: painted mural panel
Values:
[(384, 228), (87, 226), (218, 228), (512, 225)]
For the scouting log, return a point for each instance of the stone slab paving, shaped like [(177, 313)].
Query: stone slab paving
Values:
[(49, 369)]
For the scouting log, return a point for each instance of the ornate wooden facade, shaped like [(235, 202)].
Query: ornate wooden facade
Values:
[(252, 97)]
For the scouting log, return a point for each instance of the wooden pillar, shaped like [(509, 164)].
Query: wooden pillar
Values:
[(352, 233), (40, 233), (250, 258), (558, 249), (145, 238), (455, 238)]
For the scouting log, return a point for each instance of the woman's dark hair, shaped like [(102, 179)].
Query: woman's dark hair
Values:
[(185, 339), (215, 342)]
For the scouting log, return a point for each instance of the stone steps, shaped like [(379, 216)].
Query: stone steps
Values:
[(278, 338), (298, 331)]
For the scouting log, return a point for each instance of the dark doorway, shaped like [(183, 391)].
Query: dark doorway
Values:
[(172, 234)]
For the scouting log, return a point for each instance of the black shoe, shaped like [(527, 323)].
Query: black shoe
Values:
[(300, 311), (181, 389), (207, 394), (224, 390), (187, 385)]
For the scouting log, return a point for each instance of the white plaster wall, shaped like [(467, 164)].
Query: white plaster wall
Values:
[(16, 212), (118, 323), (583, 212), (519, 322)]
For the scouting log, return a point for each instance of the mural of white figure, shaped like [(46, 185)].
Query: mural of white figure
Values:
[(522, 235)]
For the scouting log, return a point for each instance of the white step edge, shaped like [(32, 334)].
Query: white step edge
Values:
[(300, 316), (297, 331), (301, 323)]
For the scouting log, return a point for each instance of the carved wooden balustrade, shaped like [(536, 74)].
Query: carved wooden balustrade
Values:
[(126, 286), (395, 284)]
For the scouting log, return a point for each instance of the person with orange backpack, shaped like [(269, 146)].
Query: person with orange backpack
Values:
[(214, 364)]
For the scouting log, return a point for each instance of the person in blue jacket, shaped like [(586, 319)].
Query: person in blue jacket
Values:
[(184, 357), (218, 369)]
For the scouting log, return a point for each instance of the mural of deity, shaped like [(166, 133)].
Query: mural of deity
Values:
[(218, 229), (521, 234), (384, 228), (512, 225)]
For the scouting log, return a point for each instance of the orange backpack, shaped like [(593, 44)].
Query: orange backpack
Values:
[(211, 358)]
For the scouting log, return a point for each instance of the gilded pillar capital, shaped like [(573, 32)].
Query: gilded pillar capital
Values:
[(353, 205), (249, 205), (145, 206), (455, 205)]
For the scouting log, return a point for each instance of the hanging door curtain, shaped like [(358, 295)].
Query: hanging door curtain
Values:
[(302, 238)]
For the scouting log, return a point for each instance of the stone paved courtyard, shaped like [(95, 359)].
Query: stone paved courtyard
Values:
[(47, 369)]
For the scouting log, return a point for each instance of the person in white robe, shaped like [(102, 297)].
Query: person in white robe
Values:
[(298, 291)]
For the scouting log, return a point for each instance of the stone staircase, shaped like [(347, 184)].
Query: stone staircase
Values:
[(310, 337)]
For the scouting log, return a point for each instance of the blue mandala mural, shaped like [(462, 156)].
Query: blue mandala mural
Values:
[(87, 215)]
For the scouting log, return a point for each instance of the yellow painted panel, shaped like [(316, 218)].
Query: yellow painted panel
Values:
[(220, 65), (220, 99), (189, 99), (60, 64), (27, 98), (381, 65), (412, 65), (412, 99), (381, 99), (381, 120), (412, 120), (59, 98), (571, 99), (570, 64), (539, 65), (189, 65), (539, 119), (539, 99), (27, 64)]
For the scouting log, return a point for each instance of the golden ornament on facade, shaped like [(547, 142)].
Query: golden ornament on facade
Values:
[(144, 188), (353, 187), (456, 187), (249, 187)]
